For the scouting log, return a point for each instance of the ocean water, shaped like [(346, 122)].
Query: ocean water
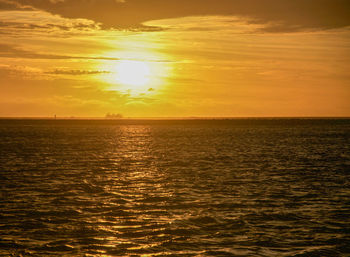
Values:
[(242, 187)]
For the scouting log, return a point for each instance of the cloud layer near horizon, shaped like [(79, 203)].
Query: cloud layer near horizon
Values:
[(279, 15)]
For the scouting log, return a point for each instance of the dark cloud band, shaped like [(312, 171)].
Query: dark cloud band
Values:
[(12, 51), (77, 72), (281, 15)]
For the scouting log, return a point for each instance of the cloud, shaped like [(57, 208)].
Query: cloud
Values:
[(10, 51), (76, 72), (280, 15), (18, 71), (7, 5), (19, 25), (15, 20), (61, 30)]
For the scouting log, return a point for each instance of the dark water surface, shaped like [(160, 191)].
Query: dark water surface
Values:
[(246, 187)]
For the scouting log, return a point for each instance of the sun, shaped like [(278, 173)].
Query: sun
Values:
[(133, 73), (142, 73)]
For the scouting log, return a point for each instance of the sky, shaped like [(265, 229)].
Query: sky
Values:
[(175, 58)]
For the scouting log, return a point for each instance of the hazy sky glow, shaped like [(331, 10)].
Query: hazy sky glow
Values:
[(174, 58)]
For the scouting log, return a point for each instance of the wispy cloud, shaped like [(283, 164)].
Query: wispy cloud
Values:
[(19, 71), (281, 15), (13, 51), (35, 21), (77, 72), (7, 5), (10, 51)]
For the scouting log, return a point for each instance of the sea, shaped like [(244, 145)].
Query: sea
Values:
[(194, 187)]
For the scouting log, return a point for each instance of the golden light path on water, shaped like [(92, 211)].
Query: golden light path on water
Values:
[(135, 144)]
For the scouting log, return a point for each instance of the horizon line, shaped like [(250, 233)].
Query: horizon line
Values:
[(168, 118)]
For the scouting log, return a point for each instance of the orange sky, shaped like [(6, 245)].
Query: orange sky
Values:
[(174, 58)]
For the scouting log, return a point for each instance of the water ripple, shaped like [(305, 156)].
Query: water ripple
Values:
[(214, 188)]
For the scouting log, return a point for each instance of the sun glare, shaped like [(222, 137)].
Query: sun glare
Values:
[(140, 72), (133, 73)]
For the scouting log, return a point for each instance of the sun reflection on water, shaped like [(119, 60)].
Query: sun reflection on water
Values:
[(137, 212)]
